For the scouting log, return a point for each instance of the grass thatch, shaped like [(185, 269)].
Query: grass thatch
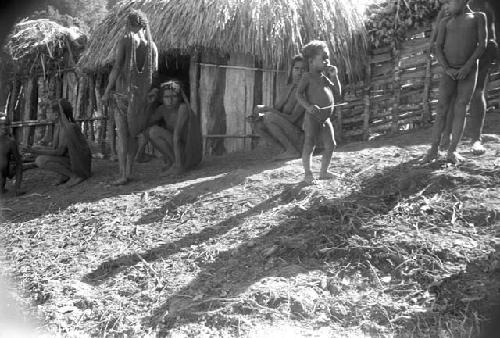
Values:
[(272, 30), (43, 40)]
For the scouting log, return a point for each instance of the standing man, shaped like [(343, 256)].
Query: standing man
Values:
[(135, 62)]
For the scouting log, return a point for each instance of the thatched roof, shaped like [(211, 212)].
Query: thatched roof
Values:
[(272, 30), (40, 42)]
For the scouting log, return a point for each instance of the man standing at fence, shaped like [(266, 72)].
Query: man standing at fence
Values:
[(135, 61), (478, 103)]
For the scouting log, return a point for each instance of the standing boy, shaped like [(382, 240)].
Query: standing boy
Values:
[(461, 40), (315, 93), (10, 160)]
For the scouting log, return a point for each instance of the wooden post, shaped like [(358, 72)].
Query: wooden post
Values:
[(426, 116), (397, 90), (194, 80), (338, 130), (28, 109), (366, 99), (42, 108)]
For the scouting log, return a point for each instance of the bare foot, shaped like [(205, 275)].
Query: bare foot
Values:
[(173, 170), (326, 176), (120, 181), (445, 143), (478, 148), (62, 180), (287, 155), (431, 155), (74, 181), (454, 158), (308, 178)]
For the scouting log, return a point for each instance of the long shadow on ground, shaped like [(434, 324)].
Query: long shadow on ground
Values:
[(307, 240)]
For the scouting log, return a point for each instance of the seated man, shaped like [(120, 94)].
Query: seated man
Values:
[(70, 155), (175, 131), (281, 125), (10, 159)]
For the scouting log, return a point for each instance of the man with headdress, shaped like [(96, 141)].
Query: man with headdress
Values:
[(136, 59), (175, 130), (70, 155), (10, 159)]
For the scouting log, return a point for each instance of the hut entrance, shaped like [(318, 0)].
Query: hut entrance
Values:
[(176, 67)]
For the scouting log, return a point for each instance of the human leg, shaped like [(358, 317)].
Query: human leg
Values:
[(282, 130), (162, 139), (328, 138), (131, 154), (57, 164), (446, 134), (478, 106), (260, 129), (465, 89), (447, 90), (311, 129), (121, 144)]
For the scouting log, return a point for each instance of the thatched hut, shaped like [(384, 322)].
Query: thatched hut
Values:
[(41, 56), (234, 53)]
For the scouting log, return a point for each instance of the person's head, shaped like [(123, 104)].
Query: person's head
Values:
[(171, 93), (317, 55), (297, 69), (4, 125), (136, 20), (455, 7), (61, 107)]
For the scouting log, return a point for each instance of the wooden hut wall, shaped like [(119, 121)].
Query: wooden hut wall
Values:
[(239, 101), (29, 101)]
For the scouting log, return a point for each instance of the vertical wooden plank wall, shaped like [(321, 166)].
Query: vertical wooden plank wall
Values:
[(238, 100)]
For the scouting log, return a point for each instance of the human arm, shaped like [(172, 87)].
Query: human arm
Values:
[(301, 94), (434, 33), (156, 117), (482, 40), (441, 35), (333, 76), (115, 71), (490, 13), (182, 118)]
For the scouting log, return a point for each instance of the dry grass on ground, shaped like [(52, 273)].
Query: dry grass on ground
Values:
[(239, 247)]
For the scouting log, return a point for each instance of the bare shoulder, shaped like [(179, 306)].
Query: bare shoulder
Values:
[(479, 15)]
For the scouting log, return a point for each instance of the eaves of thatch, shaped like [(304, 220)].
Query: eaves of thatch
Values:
[(43, 45), (272, 30)]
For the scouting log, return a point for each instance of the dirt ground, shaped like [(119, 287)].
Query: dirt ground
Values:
[(240, 247)]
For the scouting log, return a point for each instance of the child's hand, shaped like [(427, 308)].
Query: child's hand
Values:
[(313, 110), (451, 73), (463, 72), (332, 71)]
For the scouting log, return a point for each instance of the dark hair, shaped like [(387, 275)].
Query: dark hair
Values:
[(137, 18), (295, 59), (63, 106), (313, 48)]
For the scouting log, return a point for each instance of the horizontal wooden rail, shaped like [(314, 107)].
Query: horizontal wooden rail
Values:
[(35, 123)]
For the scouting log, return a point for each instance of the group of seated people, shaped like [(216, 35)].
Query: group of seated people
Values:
[(172, 129)]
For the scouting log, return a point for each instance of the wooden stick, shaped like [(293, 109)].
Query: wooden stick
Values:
[(229, 136)]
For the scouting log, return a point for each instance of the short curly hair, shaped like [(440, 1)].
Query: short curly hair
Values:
[(313, 48), (137, 18)]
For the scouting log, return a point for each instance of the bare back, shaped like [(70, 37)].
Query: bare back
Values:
[(461, 38)]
